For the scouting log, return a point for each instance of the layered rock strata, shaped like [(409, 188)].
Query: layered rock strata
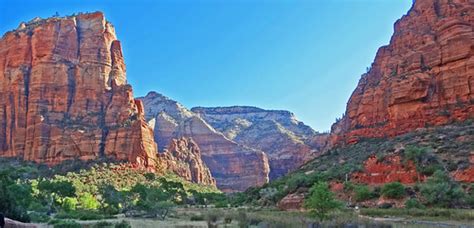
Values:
[(424, 77), (63, 94)]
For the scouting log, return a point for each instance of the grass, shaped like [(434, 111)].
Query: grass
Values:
[(428, 213)]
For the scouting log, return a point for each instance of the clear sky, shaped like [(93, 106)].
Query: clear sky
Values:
[(305, 56)]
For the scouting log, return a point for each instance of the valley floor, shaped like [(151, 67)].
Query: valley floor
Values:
[(253, 217)]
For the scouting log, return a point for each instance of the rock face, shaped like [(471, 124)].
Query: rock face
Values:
[(291, 202), (424, 77), (63, 94), (235, 167), (288, 142), (183, 157), (390, 169)]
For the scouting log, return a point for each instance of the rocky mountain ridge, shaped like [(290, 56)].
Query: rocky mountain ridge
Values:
[(235, 167)]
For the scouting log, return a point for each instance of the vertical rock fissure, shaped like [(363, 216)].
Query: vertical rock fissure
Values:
[(3, 136), (105, 132), (71, 85)]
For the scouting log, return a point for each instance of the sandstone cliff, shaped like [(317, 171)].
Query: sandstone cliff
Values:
[(424, 77), (183, 157), (235, 167), (64, 94), (289, 143)]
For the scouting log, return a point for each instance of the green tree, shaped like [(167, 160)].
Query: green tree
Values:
[(53, 193), (394, 190), (439, 190), (15, 196), (321, 201)]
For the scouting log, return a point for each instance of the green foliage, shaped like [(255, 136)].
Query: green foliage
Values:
[(394, 190), (14, 197), (101, 224), (413, 203), (439, 190), (81, 215), (363, 193), (88, 202), (321, 201), (59, 223)]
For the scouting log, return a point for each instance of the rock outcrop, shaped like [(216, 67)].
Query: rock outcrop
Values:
[(424, 77), (63, 94), (183, 157), (289, 143), (389, 169), (235, 167)]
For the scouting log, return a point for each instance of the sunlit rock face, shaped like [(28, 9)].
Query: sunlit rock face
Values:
[(63, 94), (288, 142), (235, 167), (424, 77), (183, 157)]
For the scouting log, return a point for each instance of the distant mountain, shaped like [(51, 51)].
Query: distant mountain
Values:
[(234, 166), (288, 142), (240, 137)]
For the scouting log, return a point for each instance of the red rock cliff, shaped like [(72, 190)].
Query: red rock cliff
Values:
[(183, 157), (424, 77), (63, 94)]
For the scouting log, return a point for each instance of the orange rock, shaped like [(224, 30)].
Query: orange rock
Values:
[(291, 202), (64, 94), (389, 169), (424, 77), (183, 157)]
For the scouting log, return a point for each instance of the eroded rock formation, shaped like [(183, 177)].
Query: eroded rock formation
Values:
[(389, 169), (288, 142), (63, 94), (183, 157), (235, 167), (424, 77)]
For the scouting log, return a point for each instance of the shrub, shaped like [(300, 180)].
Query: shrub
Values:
[(197, 218), (363, 193), (65, 224), (394, 190), (413, 203), (439, 190)]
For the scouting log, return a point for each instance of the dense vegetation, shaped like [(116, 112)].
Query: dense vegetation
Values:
[(28, 193)]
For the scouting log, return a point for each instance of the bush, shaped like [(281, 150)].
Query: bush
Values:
[(413, 203), (394, 190), (39, 217), (363, 193), (64, 224), (439, 190), (81, 215), (197, 218)]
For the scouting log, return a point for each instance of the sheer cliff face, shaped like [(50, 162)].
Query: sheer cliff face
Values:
[(235, 167), (424, 77), (64, 94), (183, 157), (287, 142)]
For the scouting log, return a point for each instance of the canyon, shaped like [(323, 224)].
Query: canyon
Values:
[(64, 96)]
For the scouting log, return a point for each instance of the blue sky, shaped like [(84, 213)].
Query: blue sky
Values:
[(298, 55)]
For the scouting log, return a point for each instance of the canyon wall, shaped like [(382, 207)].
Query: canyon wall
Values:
[(64, 94), (235, 167), (288, 142), (424, 77)]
